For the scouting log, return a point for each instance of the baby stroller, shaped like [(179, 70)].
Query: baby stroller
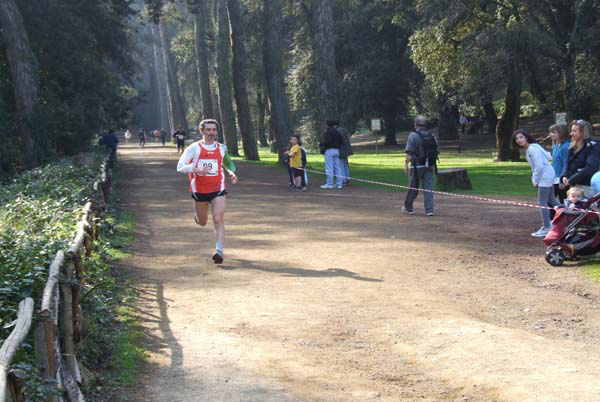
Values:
[(575, 233)]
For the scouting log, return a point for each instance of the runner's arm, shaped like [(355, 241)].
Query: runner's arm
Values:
[(227, 162), (186, 161)]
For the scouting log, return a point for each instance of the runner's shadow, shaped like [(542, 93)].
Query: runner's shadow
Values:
[(168, 336), (298, 272)]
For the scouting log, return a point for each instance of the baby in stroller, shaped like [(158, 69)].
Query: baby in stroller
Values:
[(575, 198), (576, 229)]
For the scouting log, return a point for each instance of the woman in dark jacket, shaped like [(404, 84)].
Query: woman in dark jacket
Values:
[(583, 160)]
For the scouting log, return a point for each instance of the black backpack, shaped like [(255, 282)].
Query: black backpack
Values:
[(429, 146)]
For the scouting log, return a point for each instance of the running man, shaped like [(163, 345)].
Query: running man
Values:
[(205, 162), (179, 136)]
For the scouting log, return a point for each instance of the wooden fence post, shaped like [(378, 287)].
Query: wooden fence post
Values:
[(12, 343), (66, 319), (47, 345)]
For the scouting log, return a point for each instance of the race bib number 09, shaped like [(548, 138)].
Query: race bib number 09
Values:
[(211, 164)]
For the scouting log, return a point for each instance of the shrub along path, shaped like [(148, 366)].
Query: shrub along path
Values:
[(338, 296)]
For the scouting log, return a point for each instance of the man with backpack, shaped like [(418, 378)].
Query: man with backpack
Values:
[(420, 166)]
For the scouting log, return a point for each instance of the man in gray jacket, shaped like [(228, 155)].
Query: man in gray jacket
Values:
[(418, 168), (345, 152)]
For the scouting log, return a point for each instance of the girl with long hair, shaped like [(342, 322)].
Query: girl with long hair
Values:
[(560, 152), (542, 176), (583, 159)]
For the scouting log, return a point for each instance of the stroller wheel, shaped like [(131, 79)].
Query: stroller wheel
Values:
[(555, 257)]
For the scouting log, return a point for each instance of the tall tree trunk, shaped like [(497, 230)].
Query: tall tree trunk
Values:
[(161, 75), (22, 67), (490, 115), (200, 13), (390, 111), (323, 43), (570, 88), (448, 124), (224, 79), (273, 61), (162, 65), (509, 121), (218, 116), (260, 103), (240, 85), (177, 106), (158, 66)]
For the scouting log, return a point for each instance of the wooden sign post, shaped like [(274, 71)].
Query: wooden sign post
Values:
[(376, 129), (560, 118)]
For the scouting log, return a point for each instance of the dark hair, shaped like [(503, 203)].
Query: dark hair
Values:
[(204, 122), (297, 137), (111, 131), (330, 123), (528, 137)]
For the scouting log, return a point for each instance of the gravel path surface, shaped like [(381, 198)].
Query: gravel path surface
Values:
[(333, 295)]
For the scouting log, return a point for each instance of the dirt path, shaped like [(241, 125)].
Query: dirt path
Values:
[(338, 296)]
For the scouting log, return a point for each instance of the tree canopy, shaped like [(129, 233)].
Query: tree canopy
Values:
[(267, 69)]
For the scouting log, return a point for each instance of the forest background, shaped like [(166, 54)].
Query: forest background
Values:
[(269, 68)]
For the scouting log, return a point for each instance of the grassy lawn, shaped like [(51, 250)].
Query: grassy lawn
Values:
[(592, 269), (487, 177)]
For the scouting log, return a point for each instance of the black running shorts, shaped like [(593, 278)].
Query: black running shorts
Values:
[(297, 172), (208, 197)]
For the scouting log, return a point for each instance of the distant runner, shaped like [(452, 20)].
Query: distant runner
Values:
[(142, 137), (206, 162), (179, 136)]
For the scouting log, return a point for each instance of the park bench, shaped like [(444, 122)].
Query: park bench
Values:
[(450, 144)]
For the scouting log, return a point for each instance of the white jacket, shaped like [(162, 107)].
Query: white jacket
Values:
[(539, 160)]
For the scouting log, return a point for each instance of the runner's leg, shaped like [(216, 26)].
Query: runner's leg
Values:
[(201, 210), (218, 214)]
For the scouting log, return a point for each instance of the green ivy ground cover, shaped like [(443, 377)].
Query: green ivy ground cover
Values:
[(39, 211)]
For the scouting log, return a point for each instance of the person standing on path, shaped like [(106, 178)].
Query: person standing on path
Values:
[(542, 176), (110, 141), (583, 159), (295, 154), (163, 137), (206, 162), (345, 152), (420, 166), (560, 152), (462, 120), (332, 142)]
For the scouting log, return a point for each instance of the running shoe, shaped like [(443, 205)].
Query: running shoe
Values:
[(408, 212), (218, 257), (430, 214), (327, 186), (541, 233)]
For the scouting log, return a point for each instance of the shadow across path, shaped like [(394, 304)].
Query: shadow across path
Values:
[(242, 264)]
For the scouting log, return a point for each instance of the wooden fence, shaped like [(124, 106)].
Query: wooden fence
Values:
[(57, 326)]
